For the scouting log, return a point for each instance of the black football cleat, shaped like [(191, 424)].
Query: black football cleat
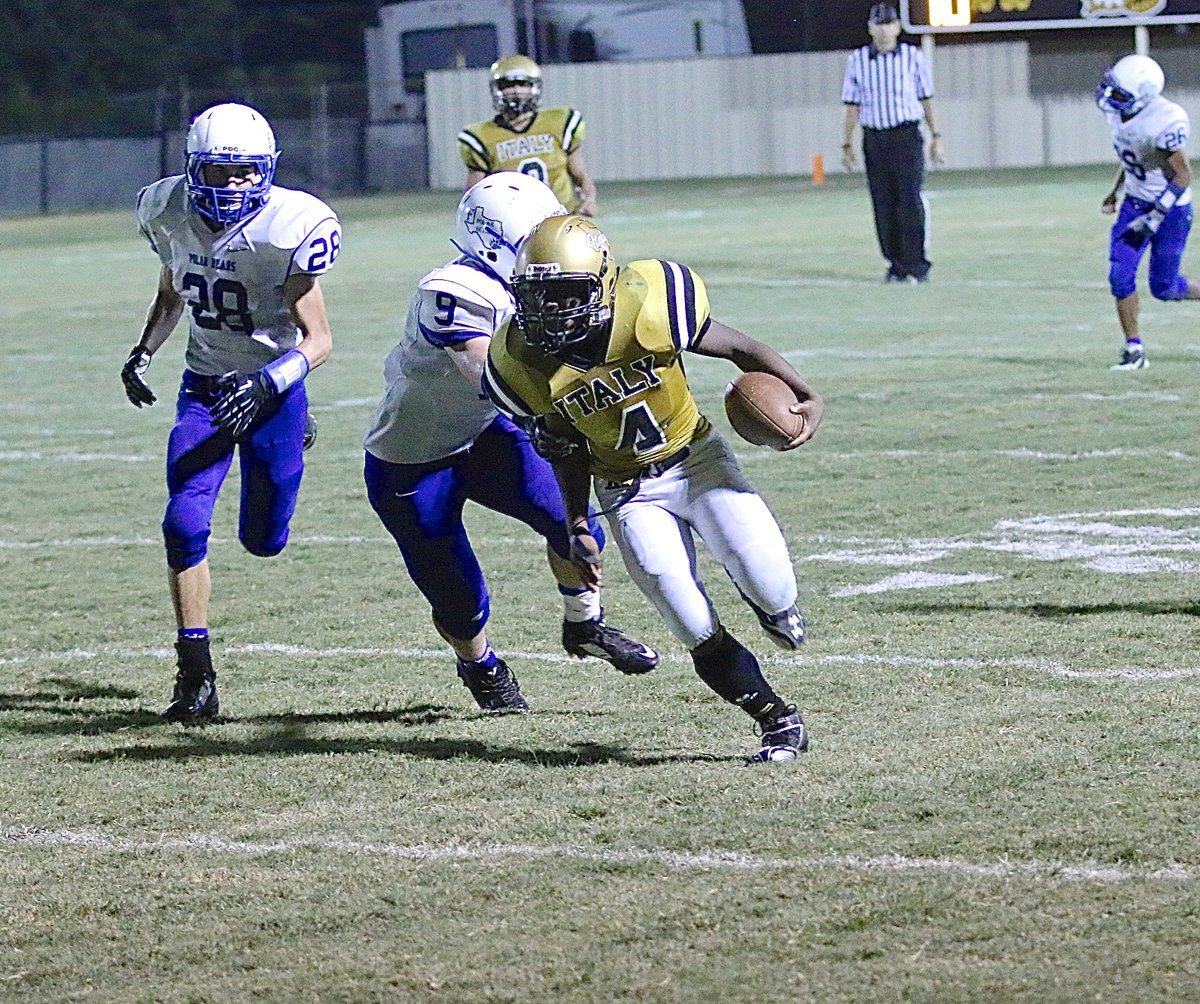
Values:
[(595, 638), (195, 698), (495, 690), (784, 738)]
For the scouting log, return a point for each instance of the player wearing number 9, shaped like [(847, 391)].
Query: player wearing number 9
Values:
[(437, 442), (240, 256), (597, 353)]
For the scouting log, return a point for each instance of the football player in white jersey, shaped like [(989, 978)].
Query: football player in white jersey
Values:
[(241, 256), (1149, 134), (437, 441)]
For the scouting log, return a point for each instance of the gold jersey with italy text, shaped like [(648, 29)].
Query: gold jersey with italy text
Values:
[(635, 408), (541, 149)]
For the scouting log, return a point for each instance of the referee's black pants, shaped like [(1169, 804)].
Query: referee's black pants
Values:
[(895, 163)]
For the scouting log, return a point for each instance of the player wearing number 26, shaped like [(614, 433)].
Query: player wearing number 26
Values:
[(241, 257), (1149, 134), (594, 355)]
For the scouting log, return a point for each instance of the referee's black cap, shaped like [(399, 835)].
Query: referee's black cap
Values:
[(882, 13)]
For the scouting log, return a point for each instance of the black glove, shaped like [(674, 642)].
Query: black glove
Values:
[(1142, 228), (131, 376), (240, 397), (552, 444)]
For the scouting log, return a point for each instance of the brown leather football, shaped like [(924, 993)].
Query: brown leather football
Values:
[(757, 405)]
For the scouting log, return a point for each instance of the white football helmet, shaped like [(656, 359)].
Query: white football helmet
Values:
[(229, 134), (1129, 85), (495, 213)]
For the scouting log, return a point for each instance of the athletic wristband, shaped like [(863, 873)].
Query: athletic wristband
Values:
[(581, 530), (290, 368)]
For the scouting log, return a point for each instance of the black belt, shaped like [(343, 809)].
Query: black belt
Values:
[(200, 386), (903, 125), (662, 466)]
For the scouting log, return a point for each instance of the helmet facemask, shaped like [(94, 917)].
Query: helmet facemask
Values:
[(559, 311), (516, 70), (516, 105), (565, 285), (229, 135), (1129, 85)]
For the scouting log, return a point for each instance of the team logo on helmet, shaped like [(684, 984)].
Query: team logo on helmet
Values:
[(490, 232)]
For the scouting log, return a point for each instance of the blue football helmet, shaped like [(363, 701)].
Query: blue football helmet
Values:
[(1129, 85), (229, 134)]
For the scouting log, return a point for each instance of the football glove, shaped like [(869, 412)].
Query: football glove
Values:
[(1145, 226), (551, 445), (240, 397), (132, 372)]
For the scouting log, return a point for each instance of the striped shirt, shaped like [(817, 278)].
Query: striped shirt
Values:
[(888, 87)]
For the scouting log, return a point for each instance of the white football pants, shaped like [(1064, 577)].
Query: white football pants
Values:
[(706, 494)]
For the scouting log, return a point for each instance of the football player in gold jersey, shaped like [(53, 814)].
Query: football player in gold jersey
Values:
[(545, 144), (593, 363)]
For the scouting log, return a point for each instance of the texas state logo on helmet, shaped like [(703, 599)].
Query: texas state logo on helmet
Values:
[(494, 215), (223, 135)]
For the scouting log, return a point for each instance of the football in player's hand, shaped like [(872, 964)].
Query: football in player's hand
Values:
[(757, 405)]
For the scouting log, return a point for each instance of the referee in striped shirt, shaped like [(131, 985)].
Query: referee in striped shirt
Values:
[(889, 90)]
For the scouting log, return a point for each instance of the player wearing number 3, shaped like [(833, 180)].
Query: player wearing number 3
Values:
[(542, 143), (1149, 135), (242, 257)]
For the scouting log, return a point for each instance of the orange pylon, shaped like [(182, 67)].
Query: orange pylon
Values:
[(818, 169)]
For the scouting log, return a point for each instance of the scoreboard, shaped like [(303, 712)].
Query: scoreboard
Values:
[(944, 16)]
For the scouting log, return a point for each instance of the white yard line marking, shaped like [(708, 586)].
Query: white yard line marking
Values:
[(913, 580), (1053, 871), (1046, 667), (38, 456)]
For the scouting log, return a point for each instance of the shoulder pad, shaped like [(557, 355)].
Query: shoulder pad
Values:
[(152, 201)]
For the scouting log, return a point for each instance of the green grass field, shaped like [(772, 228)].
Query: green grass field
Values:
[(997, 544)]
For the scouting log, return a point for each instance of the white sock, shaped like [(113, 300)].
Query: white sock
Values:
[(582, 607)]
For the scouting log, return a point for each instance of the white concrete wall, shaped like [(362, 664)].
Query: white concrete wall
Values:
[(768, 115)]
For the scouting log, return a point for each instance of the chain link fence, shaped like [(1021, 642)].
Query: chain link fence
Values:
[(328, 146)]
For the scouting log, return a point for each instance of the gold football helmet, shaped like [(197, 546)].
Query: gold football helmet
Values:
[(565, 281), (516, 70)]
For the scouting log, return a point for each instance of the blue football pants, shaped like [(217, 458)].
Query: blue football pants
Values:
[(199, 456), (422, 507), (1166, 252)]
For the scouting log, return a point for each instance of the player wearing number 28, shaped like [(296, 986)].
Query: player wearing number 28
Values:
[(1149, 134), (595, 357), (241, 256), (544, 143)]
